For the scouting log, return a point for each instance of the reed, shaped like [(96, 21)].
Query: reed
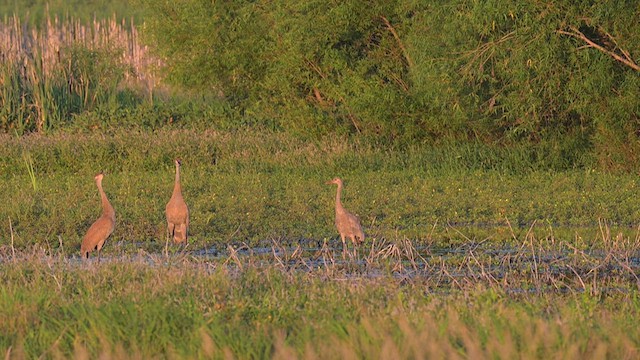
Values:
[(64, 67), (28, 162)]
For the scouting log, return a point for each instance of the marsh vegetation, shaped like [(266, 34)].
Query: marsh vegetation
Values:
[(489, 150), (461, 260)]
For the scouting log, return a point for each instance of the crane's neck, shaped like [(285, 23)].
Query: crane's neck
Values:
[(107, 209), (339, 207), (177, 190)]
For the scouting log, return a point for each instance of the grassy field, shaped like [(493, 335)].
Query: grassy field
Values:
[(472, 251), (523, 243), (147, 306), (252, 186)]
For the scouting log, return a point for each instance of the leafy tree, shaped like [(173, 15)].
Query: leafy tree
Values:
[(338, 66), (521, 71), (562, 76), (214, 46)]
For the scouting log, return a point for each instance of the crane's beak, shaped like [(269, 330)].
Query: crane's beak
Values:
[(329, 182)]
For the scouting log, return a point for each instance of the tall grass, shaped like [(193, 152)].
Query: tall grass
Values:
[(54, 72), (145, 306), (248, 186), (35, 12)]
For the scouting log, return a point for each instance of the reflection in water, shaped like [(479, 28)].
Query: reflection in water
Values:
[(530, 267)]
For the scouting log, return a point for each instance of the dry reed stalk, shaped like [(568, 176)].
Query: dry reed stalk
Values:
[(393, 252), (279, 248), (485, 274), (535, 273), (285, 260), (369, 259), (47, 46), (328, 260), (410, 253), (233, 256), (626, 265)]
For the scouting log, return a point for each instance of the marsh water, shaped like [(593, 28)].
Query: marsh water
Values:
[(522, 263), (527, 267)]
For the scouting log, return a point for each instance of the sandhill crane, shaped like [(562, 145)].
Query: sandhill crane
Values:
[(100, 230), (348, 225), (177, 212)]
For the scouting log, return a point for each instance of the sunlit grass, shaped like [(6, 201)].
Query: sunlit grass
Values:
[(462, 260), (62, 68), (247, 186), (279, 306)]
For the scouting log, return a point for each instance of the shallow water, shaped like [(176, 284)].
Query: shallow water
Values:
[(516, 269)]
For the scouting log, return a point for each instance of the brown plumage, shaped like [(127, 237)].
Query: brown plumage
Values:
[(348, 225), (177, 212), (100, 230)]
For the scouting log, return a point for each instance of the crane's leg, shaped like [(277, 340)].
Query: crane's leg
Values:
[(355, 246), (344, 247), (170, 229), (99, 248), (186, 232), (183, 233), (183, 236)]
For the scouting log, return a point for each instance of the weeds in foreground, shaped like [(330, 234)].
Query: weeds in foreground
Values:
[(541, 299), (28, 162), (537, 265)]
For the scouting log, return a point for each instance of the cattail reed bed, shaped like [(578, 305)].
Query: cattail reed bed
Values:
[(52, 72)]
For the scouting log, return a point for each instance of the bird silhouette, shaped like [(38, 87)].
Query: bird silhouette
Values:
[(100, 230), (348, 225), (177, 212)]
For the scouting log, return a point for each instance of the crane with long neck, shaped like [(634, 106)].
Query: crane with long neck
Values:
[(348, 225), (177, 211), (100, 230)]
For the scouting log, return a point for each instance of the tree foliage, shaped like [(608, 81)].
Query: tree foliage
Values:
[(562, 75)]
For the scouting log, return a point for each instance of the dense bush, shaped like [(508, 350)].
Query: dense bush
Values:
[(562, 76)]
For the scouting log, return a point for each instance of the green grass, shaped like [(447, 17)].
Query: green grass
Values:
[(53, 307), (35, 12), (267, 188), (252, 186)]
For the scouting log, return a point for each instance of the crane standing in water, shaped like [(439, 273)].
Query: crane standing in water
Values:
[(348, 225), (177, 212), (100, 230)]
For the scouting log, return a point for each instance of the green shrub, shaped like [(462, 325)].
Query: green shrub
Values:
[(405, 72)]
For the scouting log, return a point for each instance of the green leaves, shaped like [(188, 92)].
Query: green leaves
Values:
[(561, 77), (210, 46), (315, 66)]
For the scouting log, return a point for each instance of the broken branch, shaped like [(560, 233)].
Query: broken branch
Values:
[(626, 60)]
